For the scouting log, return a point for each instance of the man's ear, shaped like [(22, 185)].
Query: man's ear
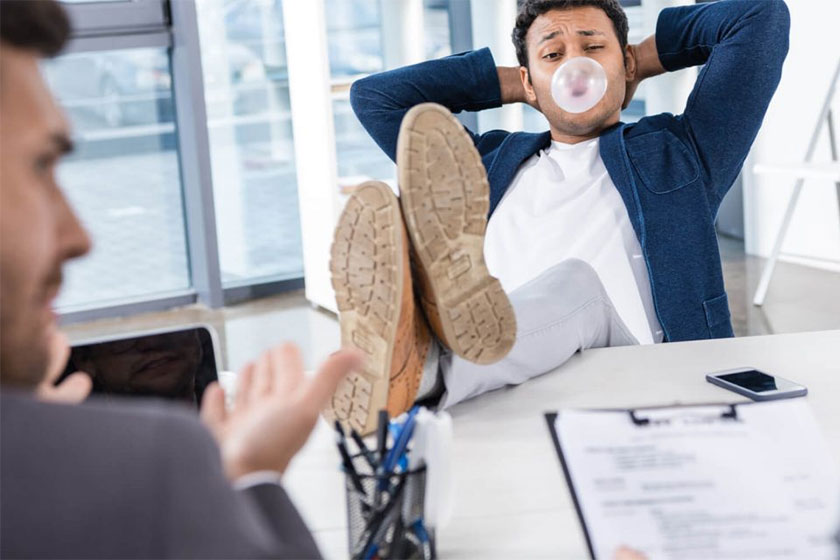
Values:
[(530, 96), (629, 64)]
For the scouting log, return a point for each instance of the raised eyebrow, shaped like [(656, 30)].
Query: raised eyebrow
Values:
[(583, 32), (550, 36)]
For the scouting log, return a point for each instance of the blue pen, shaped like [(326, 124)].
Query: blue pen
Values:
[(402, 441), (394, 430), (423, 537)]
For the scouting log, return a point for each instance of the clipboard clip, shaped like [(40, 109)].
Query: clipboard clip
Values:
[(730, 414)]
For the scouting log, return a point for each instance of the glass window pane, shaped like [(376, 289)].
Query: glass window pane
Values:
[(354, 37), (354, 42), (124, 177), (436, 28), (251, 146), (358, 47)]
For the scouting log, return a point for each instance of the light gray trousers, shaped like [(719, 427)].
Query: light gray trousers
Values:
[(562, 311)]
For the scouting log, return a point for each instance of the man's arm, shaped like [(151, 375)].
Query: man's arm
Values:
[(205, 517), (461, 82), (274, 411), (743, 45)]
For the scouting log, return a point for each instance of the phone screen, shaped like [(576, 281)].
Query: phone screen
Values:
[(175, 365), (753, 380)]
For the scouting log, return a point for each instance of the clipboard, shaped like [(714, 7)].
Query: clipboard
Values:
[(651, 417), (551, 418)]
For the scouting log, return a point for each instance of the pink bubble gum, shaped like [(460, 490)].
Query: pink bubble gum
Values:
[(578, 85)]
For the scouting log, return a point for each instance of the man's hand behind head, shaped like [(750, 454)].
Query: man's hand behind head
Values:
[(275, 409), (648, 65)]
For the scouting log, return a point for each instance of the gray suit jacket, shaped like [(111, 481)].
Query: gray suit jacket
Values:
[(130, 480)]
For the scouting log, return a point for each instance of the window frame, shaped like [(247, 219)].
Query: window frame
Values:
[(123, 24), (126, 24), (117, 17)]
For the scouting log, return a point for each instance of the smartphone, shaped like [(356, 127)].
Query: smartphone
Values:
[(176, 364), (757, 385)]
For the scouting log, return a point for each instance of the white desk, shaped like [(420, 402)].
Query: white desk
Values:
[(511, 497)]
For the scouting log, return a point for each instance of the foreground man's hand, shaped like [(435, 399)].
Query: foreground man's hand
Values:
[(275, 409), (72, 390)]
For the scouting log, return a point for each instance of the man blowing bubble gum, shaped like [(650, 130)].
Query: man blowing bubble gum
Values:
[(600, 233)]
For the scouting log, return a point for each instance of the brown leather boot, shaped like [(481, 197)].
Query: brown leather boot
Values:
[(371, 276), (445, 199)]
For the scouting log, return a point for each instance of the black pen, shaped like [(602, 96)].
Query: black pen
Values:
[(381, 450), (347, 461), (382, 436), (369, 457), (379, 522)]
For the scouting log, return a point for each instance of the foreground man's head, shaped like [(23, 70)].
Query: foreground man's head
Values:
[(550, 32), (38, 230)]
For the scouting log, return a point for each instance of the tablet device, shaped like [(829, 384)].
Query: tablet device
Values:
[(176, 364)]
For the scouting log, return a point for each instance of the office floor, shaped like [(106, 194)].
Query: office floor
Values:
[(800, 299)]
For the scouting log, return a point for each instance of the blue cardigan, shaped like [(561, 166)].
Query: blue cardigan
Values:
[(671, 171)]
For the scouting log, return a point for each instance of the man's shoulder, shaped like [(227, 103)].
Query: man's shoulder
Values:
[(116, 408), (129, 451), (514, 141), (493, 139), (123, 464), (654, 123), (137, 426)]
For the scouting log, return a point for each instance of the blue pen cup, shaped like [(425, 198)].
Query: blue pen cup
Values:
[(386, 520)]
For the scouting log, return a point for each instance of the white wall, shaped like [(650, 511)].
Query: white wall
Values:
[(492, 24), (815, 230), (315, 147), (667, 93), (402, 32), (315, 150)]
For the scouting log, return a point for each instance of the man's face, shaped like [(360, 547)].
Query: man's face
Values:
[(38, 230), (559, 35)]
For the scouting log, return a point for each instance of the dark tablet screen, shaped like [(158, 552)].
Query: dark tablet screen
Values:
[(176, 365)]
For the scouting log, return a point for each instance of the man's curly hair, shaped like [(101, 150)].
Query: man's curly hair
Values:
[(530, 10)]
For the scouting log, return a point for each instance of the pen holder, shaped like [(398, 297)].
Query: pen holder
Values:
[(387, 520)]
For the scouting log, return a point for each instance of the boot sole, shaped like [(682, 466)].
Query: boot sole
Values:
[(366, 266), (444, 195)]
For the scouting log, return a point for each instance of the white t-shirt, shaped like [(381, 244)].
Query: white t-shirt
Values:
[(562, 204)]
